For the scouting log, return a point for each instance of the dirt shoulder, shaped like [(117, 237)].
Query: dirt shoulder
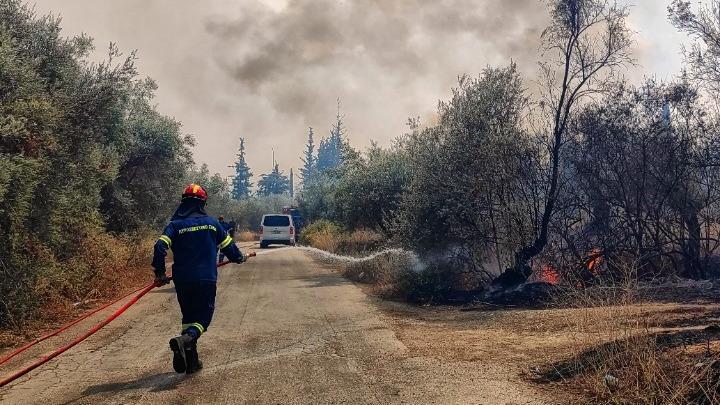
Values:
[(517, 346), (504, 345), (662, 342), (482, 349)]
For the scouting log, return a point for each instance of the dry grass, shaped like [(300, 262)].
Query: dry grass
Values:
[(621, 358), (536, 344), (360, 242), (323, 235), (609, 348), (624, 352), (247, 236), (330, 237), (108, 267), (324, 240)]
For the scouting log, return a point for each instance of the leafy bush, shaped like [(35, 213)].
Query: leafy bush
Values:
[(470, 175), (83, 152), (108, 266), (323, 234), (400, 275)]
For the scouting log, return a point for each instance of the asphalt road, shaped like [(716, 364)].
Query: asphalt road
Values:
[(286, 330)]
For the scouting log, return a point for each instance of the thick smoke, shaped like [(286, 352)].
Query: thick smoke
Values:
[(387, 60), (268, 69)]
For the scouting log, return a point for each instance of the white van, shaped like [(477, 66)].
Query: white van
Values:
[(277, 229)]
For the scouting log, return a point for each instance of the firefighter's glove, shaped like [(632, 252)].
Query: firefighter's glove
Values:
[(243, 258)]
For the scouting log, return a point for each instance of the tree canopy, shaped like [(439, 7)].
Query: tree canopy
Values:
[(273, 183)]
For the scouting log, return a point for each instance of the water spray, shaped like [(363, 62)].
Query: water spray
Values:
[(416, 263)]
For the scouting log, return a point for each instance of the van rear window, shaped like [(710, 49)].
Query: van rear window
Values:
[(276, 220)]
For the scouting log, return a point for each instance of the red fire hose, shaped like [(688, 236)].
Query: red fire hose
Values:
[(87, 334), (64, 328)]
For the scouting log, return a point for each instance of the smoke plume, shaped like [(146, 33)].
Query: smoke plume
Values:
[(268, 69)]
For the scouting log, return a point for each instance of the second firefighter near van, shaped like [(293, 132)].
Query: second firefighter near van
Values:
[(195, 238)]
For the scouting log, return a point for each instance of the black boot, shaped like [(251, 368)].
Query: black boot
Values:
[(193, 361), (180, 345)]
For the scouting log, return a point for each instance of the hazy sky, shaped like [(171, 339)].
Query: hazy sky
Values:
[(268, 69)]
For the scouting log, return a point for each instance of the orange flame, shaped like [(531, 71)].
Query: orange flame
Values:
[(595, 261), (546, 274)]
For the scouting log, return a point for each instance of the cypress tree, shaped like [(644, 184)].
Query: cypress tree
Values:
[(309, 161), (330, 152), (241, 182)]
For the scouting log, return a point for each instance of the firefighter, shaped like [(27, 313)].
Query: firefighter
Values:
[(194, 238), (233, 227)]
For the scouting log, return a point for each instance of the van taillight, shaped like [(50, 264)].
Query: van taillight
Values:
[(261, 229), (292, 230)]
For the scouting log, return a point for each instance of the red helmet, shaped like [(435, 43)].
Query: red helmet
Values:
[(195, 191)]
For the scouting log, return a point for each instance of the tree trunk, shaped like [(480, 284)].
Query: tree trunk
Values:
[(693, 267)]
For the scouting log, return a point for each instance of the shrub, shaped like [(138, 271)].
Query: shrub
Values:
[(331, 237), (402, 275), (384, 270), (323, 234), (105, 266), (82, 152)]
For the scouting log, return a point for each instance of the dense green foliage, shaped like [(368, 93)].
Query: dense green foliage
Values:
[(469, 173), (82, 152), (593, 167), (273, 183)]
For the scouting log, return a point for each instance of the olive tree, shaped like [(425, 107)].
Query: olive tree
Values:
[(584, 48)]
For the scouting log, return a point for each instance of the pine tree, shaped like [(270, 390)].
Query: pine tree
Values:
[(273, 183), (330, 152), (310, 161), (241, 182)]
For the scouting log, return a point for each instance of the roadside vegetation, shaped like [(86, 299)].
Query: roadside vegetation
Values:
[(591, 175), (333, 238), (89, 171), (584, 194), (87, 165)]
